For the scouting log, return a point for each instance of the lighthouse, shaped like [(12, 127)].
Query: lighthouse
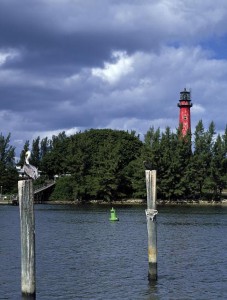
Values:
[(185, 115)]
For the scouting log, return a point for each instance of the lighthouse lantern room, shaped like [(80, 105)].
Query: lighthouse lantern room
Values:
[(185, 116)]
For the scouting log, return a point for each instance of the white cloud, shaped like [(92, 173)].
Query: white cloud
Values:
[(141, 126), (50, 133), (113, 72), (198, 109), (6, 55), (157, 50)]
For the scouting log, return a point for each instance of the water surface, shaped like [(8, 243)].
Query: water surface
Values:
[(80, 254)]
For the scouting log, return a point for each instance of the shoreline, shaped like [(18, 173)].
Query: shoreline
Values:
[(130, 202), (140, 202)]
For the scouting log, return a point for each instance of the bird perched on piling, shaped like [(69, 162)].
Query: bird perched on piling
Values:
[(29, 169), (147, 165)]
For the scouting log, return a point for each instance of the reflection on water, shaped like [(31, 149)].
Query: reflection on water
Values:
[(28, 297), (153, 291), (80, 254)]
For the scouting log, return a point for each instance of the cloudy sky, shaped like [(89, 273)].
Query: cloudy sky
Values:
[(78, 64)]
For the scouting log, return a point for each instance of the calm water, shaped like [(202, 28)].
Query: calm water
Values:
[(81, 255)]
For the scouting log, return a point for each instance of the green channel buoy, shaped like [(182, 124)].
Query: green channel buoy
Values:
[(113, 216)]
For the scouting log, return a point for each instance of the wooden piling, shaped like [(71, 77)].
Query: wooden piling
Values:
[(151, 213), (27, 225)]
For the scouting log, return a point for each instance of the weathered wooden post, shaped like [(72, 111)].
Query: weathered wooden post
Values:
[(27, 225), (151, 213)]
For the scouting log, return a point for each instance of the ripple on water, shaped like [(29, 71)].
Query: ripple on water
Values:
[(81, 255)]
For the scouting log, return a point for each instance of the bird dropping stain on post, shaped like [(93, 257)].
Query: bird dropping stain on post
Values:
[(151, 213), (27, 226)]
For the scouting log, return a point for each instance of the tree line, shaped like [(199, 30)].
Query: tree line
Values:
[(105, 164)]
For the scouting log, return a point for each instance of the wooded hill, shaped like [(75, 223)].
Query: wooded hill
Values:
[(108, 165)]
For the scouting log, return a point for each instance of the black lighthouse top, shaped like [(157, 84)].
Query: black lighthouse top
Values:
[(185, 95), (185, 98)]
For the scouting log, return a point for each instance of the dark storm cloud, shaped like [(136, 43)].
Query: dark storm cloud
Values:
[(27, 98), (68, 65), (46, 45)]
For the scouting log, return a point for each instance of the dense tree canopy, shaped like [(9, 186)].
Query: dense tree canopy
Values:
[(108, 164), (97, 162), (8, 173)]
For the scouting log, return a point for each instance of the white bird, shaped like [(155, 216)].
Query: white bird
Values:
[(29, 169)]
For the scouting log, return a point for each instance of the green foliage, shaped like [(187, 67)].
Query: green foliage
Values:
[(108, 164), (8, 173), (35, 153), (22, 155), (63, 190), (183, 173), (53, 155), (135, 174), (97, 160)]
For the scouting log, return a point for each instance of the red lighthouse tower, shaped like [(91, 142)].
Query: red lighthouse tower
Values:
[(185, 116)]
